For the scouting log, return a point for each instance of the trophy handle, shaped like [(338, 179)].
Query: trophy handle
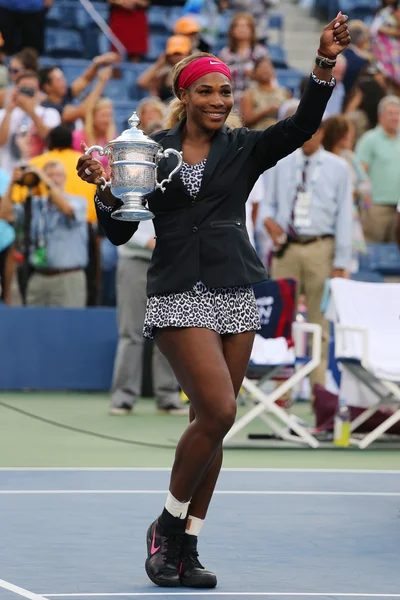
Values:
[(100, 150), (165, 154)]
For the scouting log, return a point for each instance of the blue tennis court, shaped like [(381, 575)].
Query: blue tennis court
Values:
[(272, 533)]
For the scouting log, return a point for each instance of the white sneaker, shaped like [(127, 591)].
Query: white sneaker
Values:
[(125, 409)]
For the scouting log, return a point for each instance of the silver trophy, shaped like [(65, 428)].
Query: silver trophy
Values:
[(133, 159)]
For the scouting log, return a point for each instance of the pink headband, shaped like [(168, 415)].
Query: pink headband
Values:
[(198, 68)]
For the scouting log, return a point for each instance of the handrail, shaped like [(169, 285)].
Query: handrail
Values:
[(103, 25)]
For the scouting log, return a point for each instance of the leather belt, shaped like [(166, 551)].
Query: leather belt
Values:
[(305, 239), (51, 272)]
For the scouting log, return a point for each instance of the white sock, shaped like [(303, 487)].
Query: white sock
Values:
[(194, 525), (176, 508)]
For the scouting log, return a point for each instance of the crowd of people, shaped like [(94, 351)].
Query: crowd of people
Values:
[(346, 178)]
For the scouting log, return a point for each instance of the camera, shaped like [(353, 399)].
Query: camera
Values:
[(27, 91), (28, 178)]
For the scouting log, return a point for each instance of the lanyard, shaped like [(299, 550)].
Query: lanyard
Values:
[(309, 186), (42, 225), (301, 217)]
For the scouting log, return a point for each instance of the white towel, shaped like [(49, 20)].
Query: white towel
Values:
[(376, 308), (272, 351)]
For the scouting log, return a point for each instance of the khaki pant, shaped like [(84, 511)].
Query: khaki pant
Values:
[(379, 223), (67, 290), (311, 264)]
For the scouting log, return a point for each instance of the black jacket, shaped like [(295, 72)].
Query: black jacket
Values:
[(205, 239)]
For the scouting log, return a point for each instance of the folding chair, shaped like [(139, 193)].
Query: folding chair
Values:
[(276, 304), (367, 334)]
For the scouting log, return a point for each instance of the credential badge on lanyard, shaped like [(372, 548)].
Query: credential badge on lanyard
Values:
[(302, 216)]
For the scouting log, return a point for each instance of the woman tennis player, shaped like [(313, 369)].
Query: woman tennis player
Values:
[(201, 307)]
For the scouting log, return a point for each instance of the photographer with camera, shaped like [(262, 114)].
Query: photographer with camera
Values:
[(24, 124), (55, 236)]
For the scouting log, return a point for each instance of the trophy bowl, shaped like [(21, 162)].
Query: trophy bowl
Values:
[(133, 160)]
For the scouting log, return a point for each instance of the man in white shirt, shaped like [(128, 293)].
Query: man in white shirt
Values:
[(24, 124), (133, 263)]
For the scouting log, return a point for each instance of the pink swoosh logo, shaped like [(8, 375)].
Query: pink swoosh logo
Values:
[(153, 549)]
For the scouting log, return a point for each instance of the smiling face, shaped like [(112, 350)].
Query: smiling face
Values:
[(208, 101)]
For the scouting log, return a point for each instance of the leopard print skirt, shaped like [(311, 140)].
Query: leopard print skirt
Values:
[(224, 310)]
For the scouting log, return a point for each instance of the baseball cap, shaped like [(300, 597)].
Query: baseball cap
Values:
[(186, 26), (178, 44)]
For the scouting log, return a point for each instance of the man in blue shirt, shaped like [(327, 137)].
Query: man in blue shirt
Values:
[(58, 249), (307, 213), (22, 24)]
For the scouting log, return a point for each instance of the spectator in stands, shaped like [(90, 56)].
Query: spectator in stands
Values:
[(260, 104), (363, 101), (128, 22), (61, 96), (358, 54), (150, 111), (59, 143), (188, 26), (99, 128), (157, 78), (133, 262), (258, 10), (58, 245), (242, 52), (23, 24), (379, 151), (335, 104), (385, 33), (6, 245), (307, 213), (26, 60), (24, 124), (339, 139)]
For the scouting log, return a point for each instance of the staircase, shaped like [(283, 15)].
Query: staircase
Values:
[(301, 36)]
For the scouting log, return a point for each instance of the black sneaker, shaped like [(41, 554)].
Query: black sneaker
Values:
[(163, 560), (193, 574)]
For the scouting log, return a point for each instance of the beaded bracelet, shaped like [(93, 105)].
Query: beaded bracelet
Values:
[(330, 83)]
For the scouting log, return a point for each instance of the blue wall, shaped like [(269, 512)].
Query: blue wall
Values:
[(57, 348)]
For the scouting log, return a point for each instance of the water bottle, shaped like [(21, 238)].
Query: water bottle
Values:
[(341, 428)]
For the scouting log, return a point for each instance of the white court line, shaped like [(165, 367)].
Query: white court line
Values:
[(217, 492), (10, 587), (244, 594), (228, 469)]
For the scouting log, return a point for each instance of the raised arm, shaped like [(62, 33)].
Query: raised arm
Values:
[(118, 232), (285, 137)]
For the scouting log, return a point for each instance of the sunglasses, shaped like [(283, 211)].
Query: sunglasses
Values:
[(13, 71)]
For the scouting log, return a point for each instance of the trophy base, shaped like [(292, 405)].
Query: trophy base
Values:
[(132, 213)]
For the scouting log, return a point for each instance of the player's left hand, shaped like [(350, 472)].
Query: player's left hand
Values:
[(335, 37)]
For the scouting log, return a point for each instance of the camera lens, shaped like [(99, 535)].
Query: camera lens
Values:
[(30, 179)]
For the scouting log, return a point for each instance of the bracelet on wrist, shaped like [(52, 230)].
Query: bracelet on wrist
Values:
[(324, 63)]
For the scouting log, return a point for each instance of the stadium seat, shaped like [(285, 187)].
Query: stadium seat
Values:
[(123, 110), (278, 56), (62, 43), (158, 19), (289, 78), (61, 15), (130, 74), (370, 276), (276, 22), (157, 44), (381, 258)]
